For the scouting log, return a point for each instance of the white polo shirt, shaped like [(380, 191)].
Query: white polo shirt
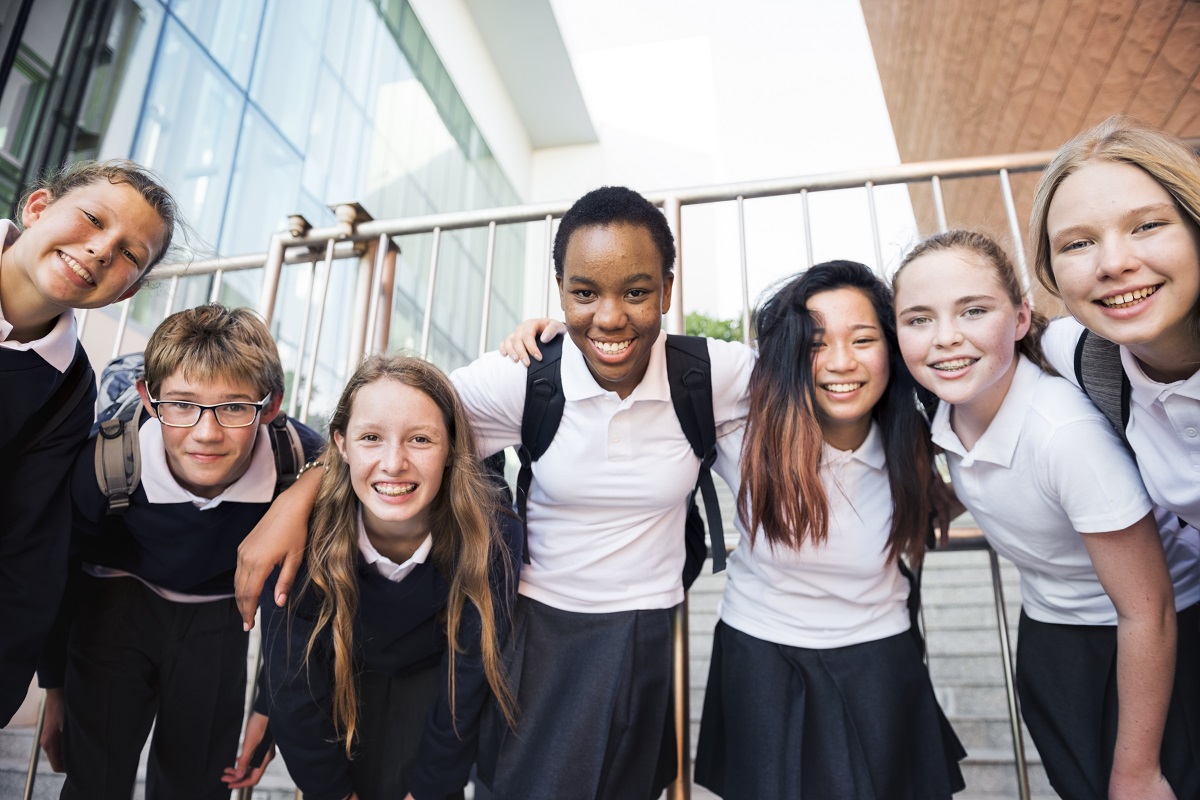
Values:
[(607, 506), (1047, 467), (1164, 423), (839, 593)]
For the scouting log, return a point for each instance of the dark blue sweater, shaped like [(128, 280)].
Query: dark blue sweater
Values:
[(35, 514), (400, 630), (175, 546)]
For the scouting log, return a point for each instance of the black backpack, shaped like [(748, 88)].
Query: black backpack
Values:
[(118, 457), (690, 377), (1100, 373)]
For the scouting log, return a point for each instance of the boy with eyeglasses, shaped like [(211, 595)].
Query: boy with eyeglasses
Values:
[(150, 632)]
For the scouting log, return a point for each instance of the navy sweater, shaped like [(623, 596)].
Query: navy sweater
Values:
[(35, 515), (400, 630), (175, 546)]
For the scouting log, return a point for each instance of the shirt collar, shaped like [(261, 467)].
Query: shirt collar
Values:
[(870, 452), (998, 444), (256, 485), (579, 384), (1146, 391), (57, 348), (382, 564)]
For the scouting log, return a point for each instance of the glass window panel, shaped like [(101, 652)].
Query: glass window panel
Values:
[(340, 23), (266, 183), (18, 108), (228, 28), (322, 128), (285, 75), (189, 129), (359, 52), (347, 162), (139, 23)]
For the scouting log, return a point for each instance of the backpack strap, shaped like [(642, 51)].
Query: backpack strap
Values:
[(287, 449), (689, 374), (58, 407), (544, 403), (119, 459), (1099, 371)]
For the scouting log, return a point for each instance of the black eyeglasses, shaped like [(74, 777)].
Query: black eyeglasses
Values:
[(182, 414)]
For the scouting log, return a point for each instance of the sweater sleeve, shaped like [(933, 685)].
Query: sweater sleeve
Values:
[(34, 536), (452, 735), (299, 697)]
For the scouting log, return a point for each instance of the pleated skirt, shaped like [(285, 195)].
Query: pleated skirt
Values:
[(593, 720), (852, 723)]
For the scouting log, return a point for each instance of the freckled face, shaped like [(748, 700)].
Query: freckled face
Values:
[(397, 446), (1126, 260), (614, 294), (850, 365), (88, 248), (958, 329)]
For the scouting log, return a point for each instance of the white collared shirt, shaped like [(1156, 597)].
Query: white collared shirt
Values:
[(607, 505), (1164, 423), (839, 593), (385, 566), (57, 348), (1048, 466), (256, 484)]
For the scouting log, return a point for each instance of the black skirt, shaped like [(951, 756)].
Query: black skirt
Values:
[(853, 723), (391, 723), (593, 719), (1067, 685)]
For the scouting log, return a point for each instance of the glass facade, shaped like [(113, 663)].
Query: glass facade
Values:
[(252, 110)]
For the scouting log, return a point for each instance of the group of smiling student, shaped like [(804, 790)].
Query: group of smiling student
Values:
[(413, 628)]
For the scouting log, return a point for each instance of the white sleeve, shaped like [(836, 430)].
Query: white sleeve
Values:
[(1059, 342), (732, 363), (1094, 478), (492, 390)]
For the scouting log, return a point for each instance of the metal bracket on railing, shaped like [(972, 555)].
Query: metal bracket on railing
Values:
[(349, 216)]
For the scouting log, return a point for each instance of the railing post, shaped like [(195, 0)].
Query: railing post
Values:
[(681, 788), (1014, 227), (488, 266), (548, 272), (673, 210), (745, 274), (272, 269), (939, 203), (1014, 714), (808, 239), (122, 324), (36, 752), (316, 345), (870, 186), (427, 322)]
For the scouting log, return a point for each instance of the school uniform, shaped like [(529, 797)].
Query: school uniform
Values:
[(816, 645), (591, 649), (1164, 423), (150, 632), (34, 522), (1047, 467), (408, 739)]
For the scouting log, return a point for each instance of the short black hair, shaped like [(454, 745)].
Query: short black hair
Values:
[(612, 204)]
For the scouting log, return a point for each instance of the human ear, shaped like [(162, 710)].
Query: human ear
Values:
[(35, 206), (562, 297), (339, 441), (271, 409), (144, 393), (668, 283), (1024, 318)]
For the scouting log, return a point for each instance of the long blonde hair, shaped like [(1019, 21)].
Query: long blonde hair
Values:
[(465, 540)]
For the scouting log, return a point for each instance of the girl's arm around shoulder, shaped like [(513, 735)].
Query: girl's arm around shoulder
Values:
[(732, 363), (492, 390), (1133, 571)]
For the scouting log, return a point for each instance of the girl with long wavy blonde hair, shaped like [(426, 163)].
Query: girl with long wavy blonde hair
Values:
[(379, 667)]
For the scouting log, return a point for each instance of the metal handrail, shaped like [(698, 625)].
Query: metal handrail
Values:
[(343, 240)]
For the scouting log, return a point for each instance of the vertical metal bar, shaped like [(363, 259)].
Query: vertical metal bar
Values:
[(681, 787), (299, 371), (255, 644), (488, 267), (745, 276), (271, 272), (381, 251), (427, 323), (1014, 227), (362, 296), (673, 210), (1014, 716), (122, 324), (36, 752), (547, 275), (808, 242), (172, 290), (214, 292), (81, 318), (387, 298), (870, 186), (939, 203), (316, 345)]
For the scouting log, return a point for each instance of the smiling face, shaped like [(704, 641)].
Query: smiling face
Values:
[(206, 458), (850, 365), (1126, 261), (958, 331), (397, 447), (89, 247), (613, 294)]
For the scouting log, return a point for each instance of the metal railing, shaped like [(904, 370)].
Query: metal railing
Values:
[(356, 235)]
